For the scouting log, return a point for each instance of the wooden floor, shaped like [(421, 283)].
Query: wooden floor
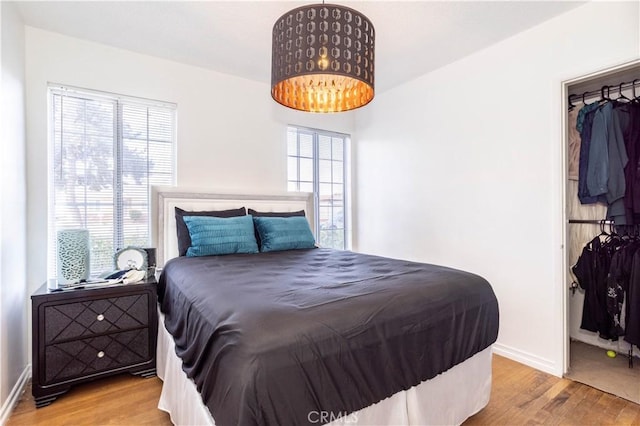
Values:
[(520, 396), (117, 400)]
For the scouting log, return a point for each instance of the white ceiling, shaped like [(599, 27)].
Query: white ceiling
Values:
[(234, 37)]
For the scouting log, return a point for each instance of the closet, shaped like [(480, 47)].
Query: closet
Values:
[(598, 353)]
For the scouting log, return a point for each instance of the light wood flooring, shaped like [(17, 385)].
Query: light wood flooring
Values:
[(117, 400), (520, 396)]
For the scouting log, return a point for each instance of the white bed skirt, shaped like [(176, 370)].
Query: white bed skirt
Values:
[(447, 399)]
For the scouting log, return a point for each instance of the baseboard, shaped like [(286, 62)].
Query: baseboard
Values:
[(14, 395), (526, 358)]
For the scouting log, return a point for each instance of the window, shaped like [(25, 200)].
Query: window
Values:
[(316, 163), (105, 152)]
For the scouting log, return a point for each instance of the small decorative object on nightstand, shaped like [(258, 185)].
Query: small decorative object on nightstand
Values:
[(72, 249), (131, 258), (141, 259), (83, 334)]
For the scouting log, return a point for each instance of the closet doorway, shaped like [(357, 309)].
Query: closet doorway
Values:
[(600, 224)]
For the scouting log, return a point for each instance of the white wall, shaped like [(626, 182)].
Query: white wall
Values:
[(472, 161), (231, 134), (13, 284)]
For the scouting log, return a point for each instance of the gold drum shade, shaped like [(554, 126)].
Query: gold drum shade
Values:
[(323, 59)]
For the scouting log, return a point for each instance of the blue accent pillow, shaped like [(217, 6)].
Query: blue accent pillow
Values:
[(184, 240), (284, 233), (216, 235)]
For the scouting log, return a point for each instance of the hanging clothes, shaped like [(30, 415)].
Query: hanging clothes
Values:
[(574, 145), (618, 160), (598, 166), (631, 134), (609, 163), (618, 279), (592, 271), (584, 125), (632, 334), (609, 271), (608, 268)]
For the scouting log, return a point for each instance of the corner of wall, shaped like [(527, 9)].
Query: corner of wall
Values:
[(14, 395), (529, 359), (14, 300)]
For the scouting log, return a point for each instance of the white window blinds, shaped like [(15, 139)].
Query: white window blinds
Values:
[(316, 163), (105, 152)]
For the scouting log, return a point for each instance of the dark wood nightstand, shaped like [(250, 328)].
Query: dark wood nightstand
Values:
[(86, 334)]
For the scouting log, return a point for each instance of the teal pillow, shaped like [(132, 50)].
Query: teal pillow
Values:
[(217, 235), (284, 233)]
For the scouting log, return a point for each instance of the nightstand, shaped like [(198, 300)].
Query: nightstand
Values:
[(86, 334)]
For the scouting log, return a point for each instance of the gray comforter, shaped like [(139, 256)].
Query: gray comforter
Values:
[(273, 338)]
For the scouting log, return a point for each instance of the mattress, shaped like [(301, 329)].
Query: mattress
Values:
[(271, 338)]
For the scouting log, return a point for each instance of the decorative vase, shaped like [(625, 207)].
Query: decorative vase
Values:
[(73, 255)]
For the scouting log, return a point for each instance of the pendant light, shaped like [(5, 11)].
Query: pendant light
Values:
[(322, 59)]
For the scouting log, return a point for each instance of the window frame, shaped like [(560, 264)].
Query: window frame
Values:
[(346, 174), (120, 102)]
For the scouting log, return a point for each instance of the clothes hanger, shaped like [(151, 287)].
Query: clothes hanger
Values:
[(584, 101), (621, 97), (571, 105), (603, 231), (636, 98), (613, 240), (612, 232), (604, 98), (600, 240)]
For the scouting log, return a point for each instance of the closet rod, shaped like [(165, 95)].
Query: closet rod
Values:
[(609, 88), (592, 221)]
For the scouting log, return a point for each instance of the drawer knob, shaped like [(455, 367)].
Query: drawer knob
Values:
[(100, 354), (100, 317)]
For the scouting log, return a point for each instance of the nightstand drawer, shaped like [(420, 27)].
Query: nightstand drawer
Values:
[(91, 317), (80, 358)]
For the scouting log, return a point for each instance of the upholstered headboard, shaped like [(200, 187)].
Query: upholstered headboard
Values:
[(165, 199)]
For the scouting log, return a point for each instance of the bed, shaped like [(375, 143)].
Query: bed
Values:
[(316, 336)]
